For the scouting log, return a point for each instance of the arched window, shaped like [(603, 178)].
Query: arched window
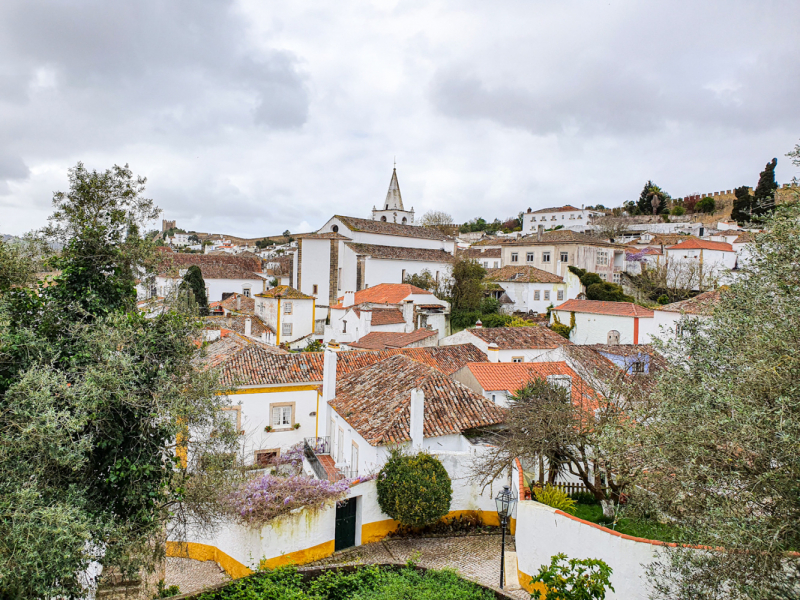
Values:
[(335, 229), (405, 220), (612, 339), (383, 218)]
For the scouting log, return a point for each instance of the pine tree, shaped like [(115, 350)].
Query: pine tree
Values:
[(742, 206), (193, 281), (764, 196)]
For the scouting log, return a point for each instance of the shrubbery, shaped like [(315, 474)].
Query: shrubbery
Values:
[(555, 498), (578, 579), (414, 489)]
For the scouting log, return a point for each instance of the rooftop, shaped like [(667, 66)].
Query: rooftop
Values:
[(381, 340), (328, 235), (566, 208), (285, 291), (599, 307), (212, 266), (384, 293), (387, 316), (518, 338), (479, 253), (695, 244), (237, 323), (510, 377), (387, 228), (702, 304), (376, 402), (400, 253), (559, 236), (228, 347), (523, 274)]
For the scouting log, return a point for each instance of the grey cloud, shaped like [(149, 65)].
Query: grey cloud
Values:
[(11, 168)]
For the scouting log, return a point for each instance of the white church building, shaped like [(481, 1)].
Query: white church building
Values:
[(393, 211)]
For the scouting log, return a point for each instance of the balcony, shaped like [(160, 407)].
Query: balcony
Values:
[(318, 454)]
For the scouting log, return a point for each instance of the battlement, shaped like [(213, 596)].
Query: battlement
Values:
[(167, 225), (730, 194)]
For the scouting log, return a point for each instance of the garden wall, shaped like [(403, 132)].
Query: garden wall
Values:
[(543, 531)]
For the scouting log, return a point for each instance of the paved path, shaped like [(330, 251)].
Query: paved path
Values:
[(193, 575), (475, 557)]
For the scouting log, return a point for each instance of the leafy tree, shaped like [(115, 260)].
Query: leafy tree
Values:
[(489, 306), (677, 211), (742, 211), (578, 579), (764, 194), (719, 433), (437, 219), (93, 396), (706, 205), (423, 280), (496, 320), (193, 239), (194, 284), (414, 489), (645, 206), (608, 292), (467, 291)]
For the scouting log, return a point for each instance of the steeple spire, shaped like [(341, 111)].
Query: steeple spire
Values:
[(394, 201)]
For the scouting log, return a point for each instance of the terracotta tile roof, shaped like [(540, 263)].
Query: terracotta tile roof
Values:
[(647, 250), (236, 323), (285, 264), (376, 402), (510, 377), (695, 244), (702, 304), (745, 237), (218, 266), (381, 340), (519, 338), (523, 274), (253, 367), (401, 253), (246, 305), (599, 307), (386, 228), (560, 236), (592, 365), (479, 253), (328, 235), (284, 291), (632, 351), (566, 208), (387, 316), (229, 347), (384, 293)]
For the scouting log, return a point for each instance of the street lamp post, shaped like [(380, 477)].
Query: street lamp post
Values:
[(505, 507)]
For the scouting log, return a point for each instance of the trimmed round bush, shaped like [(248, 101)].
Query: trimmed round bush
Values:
[(414, 489)]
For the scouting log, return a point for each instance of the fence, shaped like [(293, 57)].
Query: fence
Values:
[(567, 488), (312, 459)]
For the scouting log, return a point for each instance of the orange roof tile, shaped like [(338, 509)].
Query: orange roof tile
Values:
[(385, 293), (695, 244), (381, 340), (599, 307)]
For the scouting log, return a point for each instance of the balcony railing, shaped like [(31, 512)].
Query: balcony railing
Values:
[(319, 445), (312, 447)]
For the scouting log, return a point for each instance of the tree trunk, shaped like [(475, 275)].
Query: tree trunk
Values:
[(608, 508)]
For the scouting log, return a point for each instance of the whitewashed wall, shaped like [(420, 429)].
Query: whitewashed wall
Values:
[(593, 329), (216, 287), (541, 533), (377, 270), (316, 269)]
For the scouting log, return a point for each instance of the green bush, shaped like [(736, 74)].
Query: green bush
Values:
[(663, 299), (584, 498), (561, 329), (590, 279), (678, 211), (706, 205), (490, 306), (496, 320), (462, 320), (578, 579), (608, 292), (555, 498), (414, 489)]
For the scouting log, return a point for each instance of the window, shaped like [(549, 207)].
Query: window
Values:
[(637, 366), (233, 415), (560, 295), (335, 229), (287, 308), (282, 415), (516, 359), (314, 287), (536, 295), (286, 329), (208, 293), (264, 458), (340, 446), (564, 257), (354, 457), (496, 264), (602, 257), (402, 276), (553, 218), (514, 257), (344, 326), (486, 264), (529, 257), (545, 257), (339, 280), (494, 398), (617, 278), (546, 295)]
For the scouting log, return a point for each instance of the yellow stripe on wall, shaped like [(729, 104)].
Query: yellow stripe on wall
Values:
[(275, 389), (205, 552), (300, 557)]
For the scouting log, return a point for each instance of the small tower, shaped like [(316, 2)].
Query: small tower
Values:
[(392, 210)]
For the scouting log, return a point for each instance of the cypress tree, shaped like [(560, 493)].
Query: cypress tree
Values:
[(764, 196), (194, 282), (645, 205), (742, 205)]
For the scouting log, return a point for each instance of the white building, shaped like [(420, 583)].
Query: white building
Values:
[(287, 312), (531, 290), (392, 210), (386, 307), (512, 344), (179, 240), (598, 322), (569, 217), (712, 260)]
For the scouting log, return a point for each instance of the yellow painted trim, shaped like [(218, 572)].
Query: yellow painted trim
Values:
[(300, 557), (377, 530), (525, 584), (278, 328), (313, 315), (277, 388), (205, 552)]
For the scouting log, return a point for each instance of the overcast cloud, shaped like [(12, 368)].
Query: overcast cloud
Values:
[(254, 117)]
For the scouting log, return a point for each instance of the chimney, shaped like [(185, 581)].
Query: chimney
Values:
[(478, 325), (328, 384), (493, 353), (248, 327), (264, 336), (238, 302), (417, 418), (539, 233), (408, 315), (349, 299)]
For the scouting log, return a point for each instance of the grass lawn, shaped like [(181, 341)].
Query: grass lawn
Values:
[(651, 530)]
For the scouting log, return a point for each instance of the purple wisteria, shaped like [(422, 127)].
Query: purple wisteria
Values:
[(262, 499)]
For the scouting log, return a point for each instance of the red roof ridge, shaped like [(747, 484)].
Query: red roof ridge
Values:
[(602, 307)]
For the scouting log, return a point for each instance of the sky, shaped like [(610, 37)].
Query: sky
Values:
[(251, 117)]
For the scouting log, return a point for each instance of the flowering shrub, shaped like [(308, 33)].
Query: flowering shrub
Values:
[(263, 499)]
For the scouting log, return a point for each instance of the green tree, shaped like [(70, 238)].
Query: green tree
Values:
[(194, 284), (742, 211), (414, 489), (644, 204), (608, 292), (678, 211), (467, 291), (93, 398), (423, 280), (764, 194), (706, 205), (578, 579), (719, 433)]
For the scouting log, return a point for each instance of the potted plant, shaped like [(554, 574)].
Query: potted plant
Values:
[(268, 428), (296, 425)]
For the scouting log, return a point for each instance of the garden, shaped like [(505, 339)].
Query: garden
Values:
[(363, 583)]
